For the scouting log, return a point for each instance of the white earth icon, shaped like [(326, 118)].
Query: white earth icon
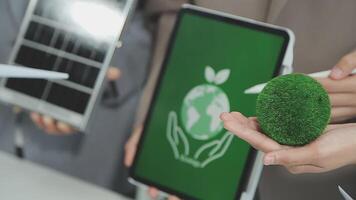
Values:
[(203, 105)]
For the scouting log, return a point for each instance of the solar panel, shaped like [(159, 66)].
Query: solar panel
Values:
[(77, 37)]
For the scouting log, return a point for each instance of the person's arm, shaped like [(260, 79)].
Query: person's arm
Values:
[(161, 7), (164, 12)]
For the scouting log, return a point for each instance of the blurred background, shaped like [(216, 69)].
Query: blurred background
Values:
[(127, 37), (94, 155)]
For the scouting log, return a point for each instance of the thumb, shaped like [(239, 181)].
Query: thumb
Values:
[(290, 156), (173, 198), (344, 67), (131, 145)]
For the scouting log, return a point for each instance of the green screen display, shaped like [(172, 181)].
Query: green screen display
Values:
[(211, 63)]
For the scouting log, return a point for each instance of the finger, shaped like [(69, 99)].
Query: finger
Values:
[(49, 125), (346, 85), (65, 128), (130, 147), (339, 114), (291, 156), (239, 116), (137, 130), (130, 152), (342, 99), (338, 126), (254, 123), (332, 127), (302, 169), (344, 67), (153, 192), (173, 198), (238, 125), (37, 119), (113, 73), (250, 122)]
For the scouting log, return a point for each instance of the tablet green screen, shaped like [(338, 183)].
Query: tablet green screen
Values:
[(211, 62)]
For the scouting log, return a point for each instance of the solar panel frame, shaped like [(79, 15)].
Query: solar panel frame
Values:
[(76, 119)]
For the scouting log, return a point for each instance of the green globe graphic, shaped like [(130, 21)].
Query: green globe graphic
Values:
[(201, 109)]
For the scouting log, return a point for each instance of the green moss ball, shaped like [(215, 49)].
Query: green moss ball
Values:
[(293, 109)]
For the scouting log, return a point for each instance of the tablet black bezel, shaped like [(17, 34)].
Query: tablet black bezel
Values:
[(252, 152)]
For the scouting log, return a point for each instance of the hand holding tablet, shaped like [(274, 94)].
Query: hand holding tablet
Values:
[(184, 149)]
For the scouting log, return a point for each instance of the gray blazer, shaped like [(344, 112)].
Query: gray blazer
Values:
[(97, 155)]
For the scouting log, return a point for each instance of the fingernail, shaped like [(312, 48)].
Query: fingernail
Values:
[(269, 160), (226, 116), (336, 73)]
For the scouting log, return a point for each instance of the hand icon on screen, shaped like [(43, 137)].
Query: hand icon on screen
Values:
[(204, 155), (176, 137), (213, 150)]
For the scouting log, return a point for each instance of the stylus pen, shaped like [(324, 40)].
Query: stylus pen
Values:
[(13, 71), (258, 88), (344, 193)]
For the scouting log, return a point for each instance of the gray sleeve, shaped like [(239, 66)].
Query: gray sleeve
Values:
[(133, 58)]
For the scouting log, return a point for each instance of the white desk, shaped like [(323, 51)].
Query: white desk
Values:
[(23, 180)]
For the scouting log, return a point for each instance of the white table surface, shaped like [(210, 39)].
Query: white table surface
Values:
[(23, 180)]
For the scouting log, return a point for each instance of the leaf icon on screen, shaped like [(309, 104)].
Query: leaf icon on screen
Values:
[(222, 76), (209, 74)]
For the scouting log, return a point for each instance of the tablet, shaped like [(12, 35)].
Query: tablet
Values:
[(211, 59)]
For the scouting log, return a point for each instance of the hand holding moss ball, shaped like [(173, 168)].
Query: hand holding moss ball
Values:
[(293, 109)]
